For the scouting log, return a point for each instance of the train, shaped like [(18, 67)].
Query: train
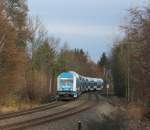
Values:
[(71, 85)]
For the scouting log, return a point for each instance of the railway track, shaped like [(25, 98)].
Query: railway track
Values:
[(33, 110), (55, 114)]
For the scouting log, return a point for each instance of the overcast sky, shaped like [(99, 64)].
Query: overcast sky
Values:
[(88, 24)]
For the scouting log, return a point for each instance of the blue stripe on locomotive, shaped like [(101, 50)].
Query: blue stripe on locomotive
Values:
[(66, 75)]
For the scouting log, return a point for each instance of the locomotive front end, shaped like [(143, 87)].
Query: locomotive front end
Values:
[(65, 86)]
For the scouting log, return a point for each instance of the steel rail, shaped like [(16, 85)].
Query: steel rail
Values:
[(48, 118), (30, 111)]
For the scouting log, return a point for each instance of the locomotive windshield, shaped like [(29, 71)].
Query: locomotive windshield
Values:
[(66, 82)]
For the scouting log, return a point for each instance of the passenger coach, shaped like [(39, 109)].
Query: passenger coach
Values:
[(71, 85)]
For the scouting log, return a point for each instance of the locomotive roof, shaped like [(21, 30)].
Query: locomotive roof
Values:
[(69, 74)]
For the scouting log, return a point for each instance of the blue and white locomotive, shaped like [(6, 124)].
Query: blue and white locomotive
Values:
[(71, 85)]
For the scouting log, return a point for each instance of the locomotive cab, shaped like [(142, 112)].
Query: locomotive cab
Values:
[(66, 86)]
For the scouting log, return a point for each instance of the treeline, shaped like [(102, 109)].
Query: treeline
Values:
[(30, 59), (130, 60)]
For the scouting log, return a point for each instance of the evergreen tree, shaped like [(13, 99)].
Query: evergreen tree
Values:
[(103, 61)]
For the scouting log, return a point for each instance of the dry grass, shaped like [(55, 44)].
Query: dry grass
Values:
[(135, 111), (13, 106)]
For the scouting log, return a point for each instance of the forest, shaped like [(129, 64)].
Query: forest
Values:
[(30, 59), (130, 58)]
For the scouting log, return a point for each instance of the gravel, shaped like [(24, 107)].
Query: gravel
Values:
[(92, 119)]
